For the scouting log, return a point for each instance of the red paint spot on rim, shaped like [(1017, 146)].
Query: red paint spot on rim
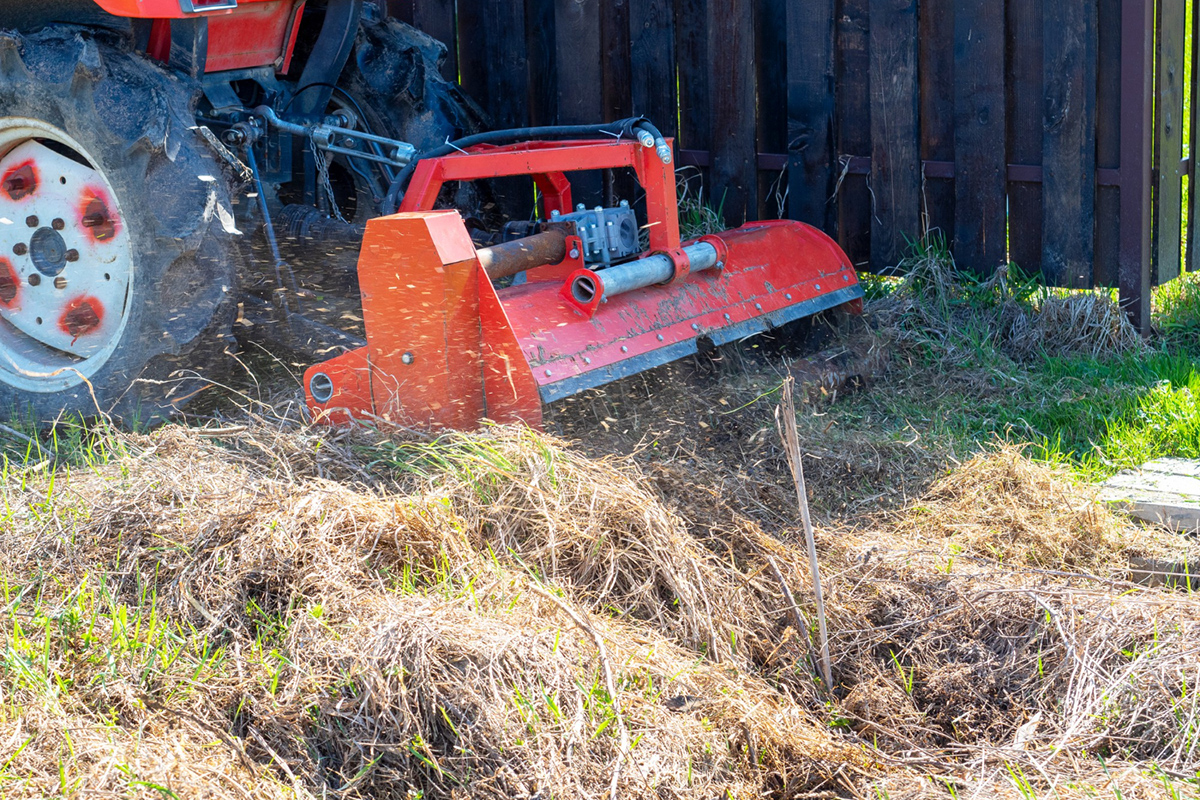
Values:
[(21, 180), (10, 283), (83, 315), (96, 216)]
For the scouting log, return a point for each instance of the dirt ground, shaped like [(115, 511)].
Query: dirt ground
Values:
[(247, 607)]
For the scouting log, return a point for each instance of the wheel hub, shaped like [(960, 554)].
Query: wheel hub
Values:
[(48, 251), (65, 260)]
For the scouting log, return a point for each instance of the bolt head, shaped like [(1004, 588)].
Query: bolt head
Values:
[(720, 265), (624, 349), (60, 282), (695, 327), (35, 279), (788, 296), (659, 337), (547, 373), (758, 306), (586, 360), (31, 221), (408, 358), (71, 255), (574, 252), (20, 248)]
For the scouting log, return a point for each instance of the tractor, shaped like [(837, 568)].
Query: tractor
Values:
[(181, 176)]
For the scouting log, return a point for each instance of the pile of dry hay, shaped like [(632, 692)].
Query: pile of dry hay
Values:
[(498, 616)]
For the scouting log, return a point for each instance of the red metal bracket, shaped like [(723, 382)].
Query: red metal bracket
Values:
[(547, 161)]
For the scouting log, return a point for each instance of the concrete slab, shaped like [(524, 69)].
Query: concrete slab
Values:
[(1163, 492)]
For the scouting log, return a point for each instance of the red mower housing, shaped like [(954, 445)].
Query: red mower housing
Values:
[(447, 348)]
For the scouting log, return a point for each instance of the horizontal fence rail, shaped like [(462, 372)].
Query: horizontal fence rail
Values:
[(1050, 135)]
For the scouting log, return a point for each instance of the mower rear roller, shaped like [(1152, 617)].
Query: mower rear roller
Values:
[(114, 260)]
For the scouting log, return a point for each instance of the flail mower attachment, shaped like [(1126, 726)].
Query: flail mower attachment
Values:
[(447, 348)]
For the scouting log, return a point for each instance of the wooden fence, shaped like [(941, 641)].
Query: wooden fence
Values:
[(1041, 132)]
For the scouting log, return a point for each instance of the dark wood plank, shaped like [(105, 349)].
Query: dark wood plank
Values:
[(577, 36), (1169, 140), (1024, 117), (542, 54), (771, 46), (691, 48), (895, 149), (507, 67), (437, 18), (615, 90), (1137, 93), (853, 131), (1193, 254), (652, 61), (732, 81), (1108, 142), (1069, 144), (810, 82), (936, 73), (980, 222)]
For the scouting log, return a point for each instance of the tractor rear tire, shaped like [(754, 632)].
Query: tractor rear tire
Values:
[(111, 172)]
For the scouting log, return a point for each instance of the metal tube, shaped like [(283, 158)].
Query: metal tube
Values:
[(509, 258), (641, 273)]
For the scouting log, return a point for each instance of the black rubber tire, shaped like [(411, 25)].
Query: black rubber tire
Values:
[(394, 73), (135, 119)]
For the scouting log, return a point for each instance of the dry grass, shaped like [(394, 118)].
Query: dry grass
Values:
[(496, 615), (936, 305), (1003, 505)]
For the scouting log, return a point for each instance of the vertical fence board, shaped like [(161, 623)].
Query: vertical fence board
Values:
[(771, 46), (1193, 252), (1108, 142), (1137, 71), (936, 72), (437, 18), (1168, 147), (732, 84), (652, 62), (852, 131), (576, 32), (1024, 117), (980, 172), (543, 61), (895, 150), (691, 47), (1069, 145), (810, 40), (616, 90)]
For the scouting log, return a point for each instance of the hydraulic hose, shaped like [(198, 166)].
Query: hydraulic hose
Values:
[(639, 128)]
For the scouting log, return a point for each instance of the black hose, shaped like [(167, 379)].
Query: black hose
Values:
[(620, 128)]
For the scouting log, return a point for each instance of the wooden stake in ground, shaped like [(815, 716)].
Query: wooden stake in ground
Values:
[(785, 420)]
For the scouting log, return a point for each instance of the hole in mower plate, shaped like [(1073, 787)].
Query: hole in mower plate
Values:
[(320, 386), (583, 289)]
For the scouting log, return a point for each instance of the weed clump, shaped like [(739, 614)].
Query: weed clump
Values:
[(938, 307)]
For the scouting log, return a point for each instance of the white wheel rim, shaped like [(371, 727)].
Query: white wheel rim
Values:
[(66, 261)]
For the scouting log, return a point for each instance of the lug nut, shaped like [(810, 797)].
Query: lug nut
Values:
[(58, 224), (20, 248), (31, 221), (71, 255), (60, 282)]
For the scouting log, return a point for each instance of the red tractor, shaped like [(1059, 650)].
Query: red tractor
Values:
[(174, 170)]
